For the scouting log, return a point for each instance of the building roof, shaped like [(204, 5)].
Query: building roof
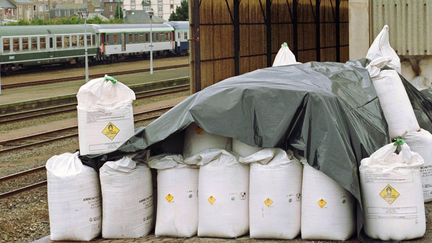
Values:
[(140, 17), (23, 1), (6, 4)]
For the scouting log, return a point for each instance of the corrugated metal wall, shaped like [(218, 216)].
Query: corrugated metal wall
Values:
[(231, 37), (410, 23)]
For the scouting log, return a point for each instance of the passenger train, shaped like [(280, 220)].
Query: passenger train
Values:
[(44, 44)]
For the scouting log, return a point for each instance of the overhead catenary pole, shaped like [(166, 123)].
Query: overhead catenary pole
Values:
[(150, 13), (85, 47), (0, 81)]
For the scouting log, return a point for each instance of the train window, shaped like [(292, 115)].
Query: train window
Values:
[(6, 45), (34, 43), (42, 43), (178, 35), (168, 36), (66, 40), (93, 39), (25, 44), (74, 41), (59, 43), (131, 38), (115, 39), (80, 40), (154, 37), (16, 44), (147, 37), (89, 40), (185, 35)]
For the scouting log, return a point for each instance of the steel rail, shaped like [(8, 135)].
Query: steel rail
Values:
[(53, 110), (80, 77)]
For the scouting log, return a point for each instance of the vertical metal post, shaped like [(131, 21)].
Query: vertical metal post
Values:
[(196, 43), (151, 44), (236, 37), (295, 27), (0, 81), (86, 49), (318, 30), (269, 32), (338, 48)]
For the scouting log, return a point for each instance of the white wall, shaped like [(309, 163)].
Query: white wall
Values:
[(161, 8), (416, 69)]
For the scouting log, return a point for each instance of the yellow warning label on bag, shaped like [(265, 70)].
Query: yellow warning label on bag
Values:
[(322, 203), (169, 198), (110, 131), (268, 202), (211, 200), (389, 194)]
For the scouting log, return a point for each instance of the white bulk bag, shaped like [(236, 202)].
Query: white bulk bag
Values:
[(74, 202), (327, 208), (223, 194), (381, 48), (177, 196), (421, 143), (105, 115), (284, 56), (393, 98), (392, 194), (198, 140), (391, 93), (127, 199), (242, 149), (275, 194)]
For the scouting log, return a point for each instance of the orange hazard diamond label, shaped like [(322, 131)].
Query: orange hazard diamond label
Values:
[(322, 203), (211, 200), (389, 194), (169, 198), (268, 202), (110, 131)]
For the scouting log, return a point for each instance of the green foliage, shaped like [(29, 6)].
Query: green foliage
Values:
[(66, 20), (181, 13), (118, 12)]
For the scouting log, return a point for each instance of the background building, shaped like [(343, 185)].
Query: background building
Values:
[(161, 8)]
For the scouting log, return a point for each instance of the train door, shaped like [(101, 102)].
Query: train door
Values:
[(123, 42), (49, 44), (102, 43)]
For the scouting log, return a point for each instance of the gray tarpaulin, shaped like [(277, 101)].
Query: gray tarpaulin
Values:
[(327, 111)]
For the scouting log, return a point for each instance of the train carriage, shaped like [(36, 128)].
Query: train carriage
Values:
[(44, 44), (124, 39), (181, 35)]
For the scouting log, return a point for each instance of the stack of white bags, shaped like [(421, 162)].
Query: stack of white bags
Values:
[(390, 178), (222, 187), (246, 189)]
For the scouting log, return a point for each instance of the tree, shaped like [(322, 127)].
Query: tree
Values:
[(118, 12), (181, 13)]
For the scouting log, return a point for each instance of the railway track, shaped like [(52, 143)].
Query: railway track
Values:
[(58, 109), (81, 77), (145, 115)]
